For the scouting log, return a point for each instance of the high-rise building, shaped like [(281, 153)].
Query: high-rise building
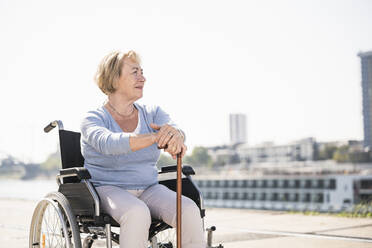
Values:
[(366, 63), (238, 126)]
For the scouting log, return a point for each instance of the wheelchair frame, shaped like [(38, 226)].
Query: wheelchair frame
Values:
[(76, 205)]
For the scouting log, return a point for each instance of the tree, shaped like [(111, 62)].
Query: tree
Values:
[(341, 155), (165, 160), (359, 157), (327, 152), (199, 157), (53, 162)]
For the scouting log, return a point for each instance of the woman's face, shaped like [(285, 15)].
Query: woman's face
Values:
[(131, 81)]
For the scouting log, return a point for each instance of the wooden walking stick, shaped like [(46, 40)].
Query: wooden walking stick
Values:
[(179, 194)]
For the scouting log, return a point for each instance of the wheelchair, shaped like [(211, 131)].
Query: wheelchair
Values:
[(73, 218)]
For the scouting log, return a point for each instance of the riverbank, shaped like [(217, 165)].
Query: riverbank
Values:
[(236, 228)]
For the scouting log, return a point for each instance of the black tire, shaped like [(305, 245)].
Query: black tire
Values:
[(54, 224)]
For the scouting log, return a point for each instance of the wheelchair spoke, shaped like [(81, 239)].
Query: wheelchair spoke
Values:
[(53, 225), (52, 229), (46, 228)]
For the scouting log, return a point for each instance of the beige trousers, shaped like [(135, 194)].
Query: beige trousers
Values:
[(133, 210)]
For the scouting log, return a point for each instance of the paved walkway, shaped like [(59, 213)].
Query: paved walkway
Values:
[(254, 228), (235, 228)]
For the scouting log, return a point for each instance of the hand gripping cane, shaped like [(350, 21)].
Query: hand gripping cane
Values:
[(179, 194)]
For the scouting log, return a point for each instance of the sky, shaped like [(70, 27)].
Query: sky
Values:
[(290, 66)]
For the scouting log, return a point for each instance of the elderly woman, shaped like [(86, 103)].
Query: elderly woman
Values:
[(120, 141)]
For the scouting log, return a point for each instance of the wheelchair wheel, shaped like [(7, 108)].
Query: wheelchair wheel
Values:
[(53, 224), (166, 239)]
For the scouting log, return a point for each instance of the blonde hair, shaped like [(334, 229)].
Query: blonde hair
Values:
[(109, 70)]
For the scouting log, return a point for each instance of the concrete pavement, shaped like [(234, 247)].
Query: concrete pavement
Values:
[(236, 228)]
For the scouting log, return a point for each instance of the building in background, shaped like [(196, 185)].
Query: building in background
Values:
[(301, 150), (366, 64), (306, 149), (224, 155), (238, 127)]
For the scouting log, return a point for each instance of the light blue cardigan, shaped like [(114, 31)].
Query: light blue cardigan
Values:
[(107, 153)]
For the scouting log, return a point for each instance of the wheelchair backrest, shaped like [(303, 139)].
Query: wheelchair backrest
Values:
[(69, 142)]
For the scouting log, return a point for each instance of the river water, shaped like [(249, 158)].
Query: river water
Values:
[(29, 190)]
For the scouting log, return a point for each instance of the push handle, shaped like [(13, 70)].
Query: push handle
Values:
[(50, 126)]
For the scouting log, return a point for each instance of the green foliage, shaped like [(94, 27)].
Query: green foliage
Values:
[(53, 162), (359, 157), (312, 213), (341, 155), (165, 159), (199, 157), (189, 160), (327, 152), (222, 160), (362, 210)]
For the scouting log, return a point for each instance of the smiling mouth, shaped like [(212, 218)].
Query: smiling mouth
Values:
[(139, 87)]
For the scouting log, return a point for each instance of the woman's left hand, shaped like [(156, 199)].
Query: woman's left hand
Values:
[(171, 137), (174, 154)]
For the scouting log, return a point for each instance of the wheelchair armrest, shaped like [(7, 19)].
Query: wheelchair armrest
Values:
[(79, 172), (186, 169)]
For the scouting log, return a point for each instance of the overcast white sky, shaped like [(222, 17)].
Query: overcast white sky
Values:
[(291, 66)]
